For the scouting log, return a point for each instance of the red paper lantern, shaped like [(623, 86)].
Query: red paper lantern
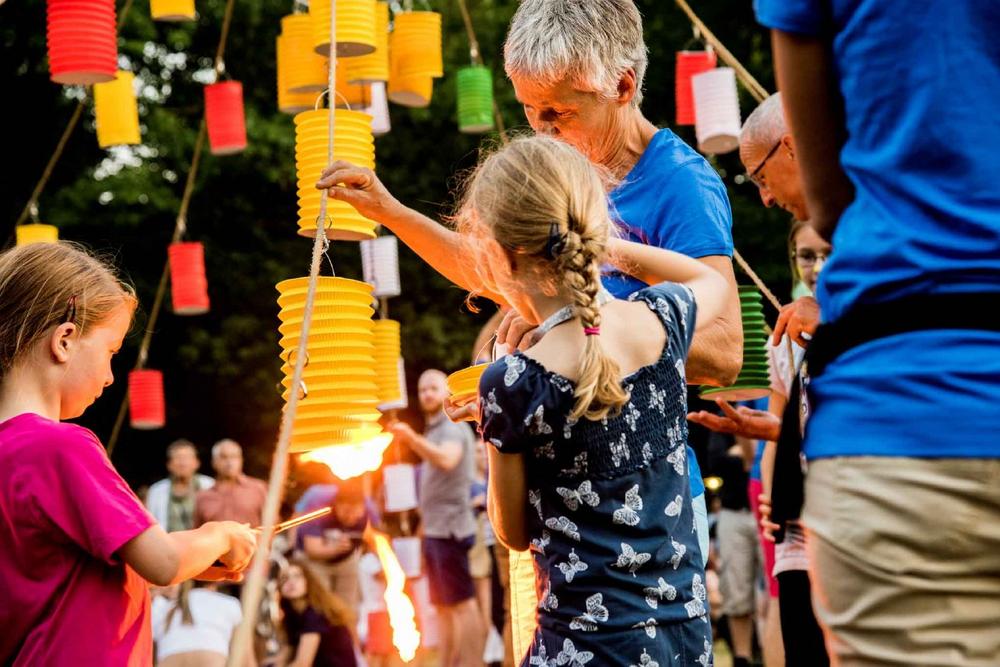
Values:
[(227, 129), (379, 634), (188, 284), (83, 41), (146, 405), (689, 63)]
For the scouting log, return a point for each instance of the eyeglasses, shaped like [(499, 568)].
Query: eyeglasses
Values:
[(808, 258), (753, 175)]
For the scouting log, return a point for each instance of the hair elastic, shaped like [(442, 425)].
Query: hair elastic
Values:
[(592, 331)]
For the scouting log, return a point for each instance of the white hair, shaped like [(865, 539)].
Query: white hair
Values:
[(766, 125), (592, 42), (217, 447)]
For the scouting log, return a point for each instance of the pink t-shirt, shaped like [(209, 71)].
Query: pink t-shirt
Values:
[(65, 599)]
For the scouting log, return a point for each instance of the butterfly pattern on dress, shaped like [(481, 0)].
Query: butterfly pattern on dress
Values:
[(657, 398), (582, 494), (561, 383), (628, 514), (662, 591), (683, 306), (570, 657), (647, 453), (705, 659), (675, 506), (539, 544), (676, 435), (696, 607), (631, 415), (649, 625), (679, 551), (572, 565), (631, 560), (515, 367), (548, 601), (535, 500), (579, 466), (596, 613), (679, 366), (541, 657), (564, 526), (568, 427), (492, 408), (619, 451), (678, 459), (536, 422), (548, 450), (645, 660)]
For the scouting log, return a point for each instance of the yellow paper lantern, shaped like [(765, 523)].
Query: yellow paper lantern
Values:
[(352, 142), (416, 44), (172, 10), (463, 385), (292, 103), (374, 66), (305, 70), (116, 111), (36, 233), (412, 91), (351, 95), (388, 350), (355, 27)]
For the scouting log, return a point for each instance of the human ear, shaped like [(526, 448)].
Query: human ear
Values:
[(788, 143), (61, 342), (627, 87)]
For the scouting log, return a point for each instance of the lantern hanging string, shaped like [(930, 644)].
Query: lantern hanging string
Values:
[(31, 207), (180, 229), (477, 59), (253, 589)]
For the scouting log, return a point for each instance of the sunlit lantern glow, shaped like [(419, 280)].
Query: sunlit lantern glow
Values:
[(116, 111), (172, 10), (147, 407), (227, 129), (353, 142), (355, 27), (347, 461), (402, 615), (82, 41), (36, 233)]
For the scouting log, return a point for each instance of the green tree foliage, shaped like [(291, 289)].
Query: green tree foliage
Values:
[(221, 369)]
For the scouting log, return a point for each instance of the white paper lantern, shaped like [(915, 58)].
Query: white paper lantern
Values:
[(379, 109), (407, 551), (400, 482), (717, 110), (380, 263)]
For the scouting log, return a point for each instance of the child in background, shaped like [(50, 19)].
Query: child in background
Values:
[(588, 465), (319, 626), (77, 548)]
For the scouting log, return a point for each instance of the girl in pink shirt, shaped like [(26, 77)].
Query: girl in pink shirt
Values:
[(77, 549)]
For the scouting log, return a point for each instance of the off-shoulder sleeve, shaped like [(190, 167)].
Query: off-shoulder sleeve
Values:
[(675, 306), (501, 402)]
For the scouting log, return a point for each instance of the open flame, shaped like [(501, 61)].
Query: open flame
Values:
[(353, 459), (402, 616)]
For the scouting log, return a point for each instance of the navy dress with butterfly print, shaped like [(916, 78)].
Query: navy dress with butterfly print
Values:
[(617, 564)]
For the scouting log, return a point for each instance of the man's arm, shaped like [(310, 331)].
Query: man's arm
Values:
[(815, 112), (716, 354), (445, 456)]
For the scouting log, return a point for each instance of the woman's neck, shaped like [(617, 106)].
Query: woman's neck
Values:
[(22, 391), (300, 605), (635, 136)]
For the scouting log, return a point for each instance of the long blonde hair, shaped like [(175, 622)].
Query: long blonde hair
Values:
[(540, 198), (44, 284)]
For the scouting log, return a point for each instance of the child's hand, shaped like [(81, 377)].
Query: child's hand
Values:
[(516, 332), (216, 573), (242, 545), (766, 524), (799, 320), (743, 421), (466, 413)]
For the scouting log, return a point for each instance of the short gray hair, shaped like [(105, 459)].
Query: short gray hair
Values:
[(590, 41), (217, 447), (766, 124)]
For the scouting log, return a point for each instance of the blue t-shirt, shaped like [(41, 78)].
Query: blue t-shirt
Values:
[(673, 199), (757, 404), (921, 86)]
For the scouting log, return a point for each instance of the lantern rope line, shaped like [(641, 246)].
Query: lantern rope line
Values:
[(752, 85), (31, 207), (253, 589)]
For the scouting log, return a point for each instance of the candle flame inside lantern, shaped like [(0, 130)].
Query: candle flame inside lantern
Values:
[(402, 616), (352, 459)]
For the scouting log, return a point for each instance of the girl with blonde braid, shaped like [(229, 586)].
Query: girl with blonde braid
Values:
[(587, 427)]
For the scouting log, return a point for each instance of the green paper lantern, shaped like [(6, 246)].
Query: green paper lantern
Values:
[(475, 100), (753, 381)]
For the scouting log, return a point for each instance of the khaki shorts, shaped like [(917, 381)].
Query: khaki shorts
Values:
[(740, 561), (905, 559)]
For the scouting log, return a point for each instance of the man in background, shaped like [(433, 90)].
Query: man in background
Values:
[(449, 526), (172, 500), (235, 497)]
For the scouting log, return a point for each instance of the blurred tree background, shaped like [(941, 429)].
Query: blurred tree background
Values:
[(221, 369)]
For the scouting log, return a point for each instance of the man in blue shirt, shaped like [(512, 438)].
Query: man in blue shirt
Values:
[(894, 110)]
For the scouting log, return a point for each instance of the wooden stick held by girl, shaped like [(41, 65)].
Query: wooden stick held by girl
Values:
[(77, 548)]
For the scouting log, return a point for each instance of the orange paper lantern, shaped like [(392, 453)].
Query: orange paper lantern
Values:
[(82, 41)]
